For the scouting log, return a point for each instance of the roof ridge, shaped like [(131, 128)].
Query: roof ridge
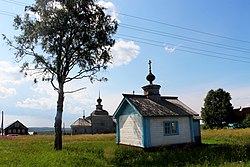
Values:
[(125, 94), (140, 95), (169, 97)]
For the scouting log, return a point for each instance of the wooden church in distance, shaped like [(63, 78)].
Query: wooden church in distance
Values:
[(152, 120), (99, 121)]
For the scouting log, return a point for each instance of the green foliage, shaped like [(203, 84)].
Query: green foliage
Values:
[(57, 37), (225, 147), (246, 121), (217, 111)]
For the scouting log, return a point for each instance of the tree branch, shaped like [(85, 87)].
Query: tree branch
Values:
[(80, 75), (75, 90), (52, 83)]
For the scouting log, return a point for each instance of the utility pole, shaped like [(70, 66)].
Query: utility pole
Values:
[(2, 124)]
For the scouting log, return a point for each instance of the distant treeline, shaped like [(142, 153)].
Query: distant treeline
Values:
[(47, 130)]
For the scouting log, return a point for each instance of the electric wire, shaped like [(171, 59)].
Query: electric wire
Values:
[(2, 12), (179, 46), (193, 52), (180, 37), (181, 27), (189, 39), (15, 2), (152, 21)]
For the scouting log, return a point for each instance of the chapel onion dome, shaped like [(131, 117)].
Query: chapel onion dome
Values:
[(99, 100), (152, 91), (99, 110), (150, 77)]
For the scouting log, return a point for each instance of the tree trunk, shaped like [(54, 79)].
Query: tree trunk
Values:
[(58, 119)]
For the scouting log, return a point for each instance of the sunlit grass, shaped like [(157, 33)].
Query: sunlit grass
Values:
[(226, 136), (226, 147), (37, 150)]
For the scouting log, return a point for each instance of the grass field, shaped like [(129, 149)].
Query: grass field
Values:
[(227, 147)]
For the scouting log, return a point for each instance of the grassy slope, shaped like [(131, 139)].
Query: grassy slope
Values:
[(220, 148)]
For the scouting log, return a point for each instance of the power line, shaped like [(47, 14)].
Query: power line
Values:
[(153, 21), (193, 52), (187, 47), (203, 42), (172, 36), (162, 23), (15, 2), (184, 28), (2, 12)]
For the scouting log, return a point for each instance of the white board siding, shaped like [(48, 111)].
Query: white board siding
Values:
[(157, 131), (130, 129)]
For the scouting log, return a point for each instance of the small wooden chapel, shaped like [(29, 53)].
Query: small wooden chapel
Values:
[(153, 120)]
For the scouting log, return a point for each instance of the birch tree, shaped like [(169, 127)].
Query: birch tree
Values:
[(61, 41)]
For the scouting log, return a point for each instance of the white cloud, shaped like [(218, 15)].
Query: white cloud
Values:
[(110, 9), (9, 73), (44, 97), (73, 109), (75, 103), (171, 49), (44, 88), (124, 52), (7, 92), (38, 103)]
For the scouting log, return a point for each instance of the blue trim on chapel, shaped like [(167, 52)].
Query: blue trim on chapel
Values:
[(121, 110), (191, 122), (146, 136)]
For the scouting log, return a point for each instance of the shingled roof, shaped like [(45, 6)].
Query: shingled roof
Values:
[(165, 106), (82, 122)]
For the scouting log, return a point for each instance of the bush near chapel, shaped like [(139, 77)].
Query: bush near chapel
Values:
[(217, 111)]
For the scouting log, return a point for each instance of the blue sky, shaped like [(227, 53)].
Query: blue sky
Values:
[(189, 42)]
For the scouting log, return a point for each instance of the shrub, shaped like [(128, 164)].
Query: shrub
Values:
[(246, 121)]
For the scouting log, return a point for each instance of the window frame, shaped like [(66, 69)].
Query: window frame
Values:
[(170, 128)]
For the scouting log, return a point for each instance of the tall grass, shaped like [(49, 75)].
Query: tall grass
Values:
[(82, 150), (226, 136), (220, 148)]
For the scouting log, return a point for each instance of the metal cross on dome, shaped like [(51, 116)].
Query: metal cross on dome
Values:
[(150, 77), (149, 62)]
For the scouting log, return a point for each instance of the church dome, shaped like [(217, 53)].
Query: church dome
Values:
[(150, 77), (99, 110)]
